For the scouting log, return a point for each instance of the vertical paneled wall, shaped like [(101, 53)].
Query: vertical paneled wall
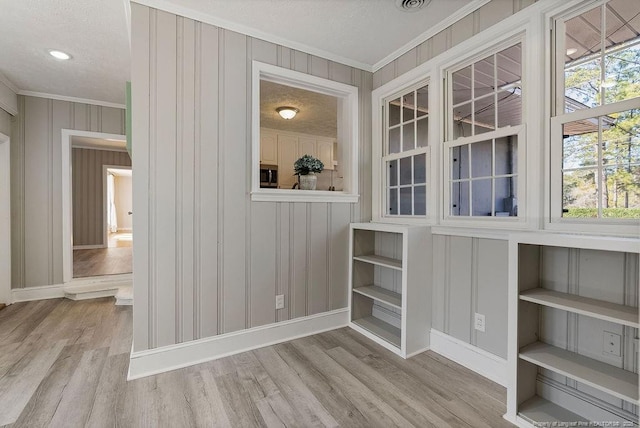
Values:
[(483, 18), (208, 260), (36, 182), (87, 192), (5, 123)]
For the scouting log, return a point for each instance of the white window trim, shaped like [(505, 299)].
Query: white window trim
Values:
[(418, 77), (527, 156), (348, 134), (553, 130)]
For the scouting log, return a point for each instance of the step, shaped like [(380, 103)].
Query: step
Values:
[(124, 297), (91, 291)]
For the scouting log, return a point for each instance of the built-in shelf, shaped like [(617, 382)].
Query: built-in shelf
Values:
[(381, 329), (381, 261), (605, 377), (389, 287), (537, 410), (381, 294), (620, 314)]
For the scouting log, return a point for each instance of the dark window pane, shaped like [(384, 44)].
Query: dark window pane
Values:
[(481, 159), (481, 197), (506, 155), (462, 85), (408, 136), (394, 140), (408, 107), (406, 204), (393, 201), (423, 132), (506, 203), (462, 121), (484, 77), (420, 168), (509, 65), (484, 118), (460, 198), (460, 162), (510, 107), (420, 200), (393, 172), (394, 112), (580, 194), (422, 107), (405, 171)]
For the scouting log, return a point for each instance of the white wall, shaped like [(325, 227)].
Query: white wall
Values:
[(208, 260), (124, 201), (36, 182)]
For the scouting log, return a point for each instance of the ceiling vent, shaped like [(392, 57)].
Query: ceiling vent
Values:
[(411, 5)]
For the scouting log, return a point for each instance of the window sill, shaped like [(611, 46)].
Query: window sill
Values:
[(288, 195)]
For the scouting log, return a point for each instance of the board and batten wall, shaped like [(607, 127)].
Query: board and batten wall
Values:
[(5, 123), (208, 260), (87, 192), (470, 273), (36, 182)]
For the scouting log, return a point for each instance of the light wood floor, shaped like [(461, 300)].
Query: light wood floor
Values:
[(63, 363), (116, 259)]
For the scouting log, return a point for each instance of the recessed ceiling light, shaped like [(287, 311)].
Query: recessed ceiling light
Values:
[(287, 112), (59, 54), (571, 51)]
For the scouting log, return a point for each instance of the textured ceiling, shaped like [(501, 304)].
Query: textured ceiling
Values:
[(317, 116), (94, 32), (362, 31)]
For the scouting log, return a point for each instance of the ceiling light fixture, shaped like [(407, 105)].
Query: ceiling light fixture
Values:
[(571, 51), (287, 112), (59, 54)]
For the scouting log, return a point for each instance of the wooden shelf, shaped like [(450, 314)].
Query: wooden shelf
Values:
[(605, 377), (537, 409), (381, 261), (621, 314), (381, 294), (381, 329)]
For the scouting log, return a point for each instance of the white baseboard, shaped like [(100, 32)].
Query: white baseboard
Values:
[(167, 358), (28, 294), (89, 247), (480, 361)]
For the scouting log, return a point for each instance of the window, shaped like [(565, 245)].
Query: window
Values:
[(325, 127), (406, 154), (596, 126), (484, 135)]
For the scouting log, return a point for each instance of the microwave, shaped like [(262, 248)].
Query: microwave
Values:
[(269, 176)]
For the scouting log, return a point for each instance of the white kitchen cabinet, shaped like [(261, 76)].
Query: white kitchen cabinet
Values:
[(324, 150), (307, 146), (287, 156), (533, 305), (268, 148), (390, 285)]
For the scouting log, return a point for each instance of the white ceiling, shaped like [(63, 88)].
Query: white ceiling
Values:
[(95, 33)]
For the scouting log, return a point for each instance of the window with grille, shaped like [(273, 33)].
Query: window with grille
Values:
[(484, 134), (406, 152)]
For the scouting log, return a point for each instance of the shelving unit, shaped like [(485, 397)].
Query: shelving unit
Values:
[(530, 301), (390, 285)]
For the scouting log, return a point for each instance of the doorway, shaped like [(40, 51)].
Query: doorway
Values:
[(92, 252)]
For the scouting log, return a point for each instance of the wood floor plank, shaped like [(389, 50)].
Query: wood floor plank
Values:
[(19, 384), (68, 367), (370, 404), (311, 411)]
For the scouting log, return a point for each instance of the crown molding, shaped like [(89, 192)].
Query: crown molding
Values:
[(239, 28), (442, 25), (8, 83), (71, 99)]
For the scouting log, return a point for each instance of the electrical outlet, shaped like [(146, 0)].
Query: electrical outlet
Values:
[(280, 301), (479, 322), (611, 344)]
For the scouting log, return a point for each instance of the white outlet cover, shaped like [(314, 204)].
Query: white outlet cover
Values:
[(280, 301), (479, 322), (611, 344)]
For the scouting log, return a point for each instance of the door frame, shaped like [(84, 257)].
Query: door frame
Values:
[(105, 168), (67, 202), (5, 219)]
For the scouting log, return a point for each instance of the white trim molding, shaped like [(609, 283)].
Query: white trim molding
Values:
[(71, 99), (167, 358), (28, 294), (8, 96), (480, 361)]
